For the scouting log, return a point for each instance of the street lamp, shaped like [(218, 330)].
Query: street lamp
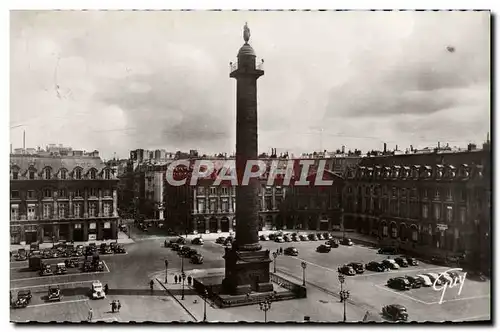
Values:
[(344, 294), (183, 279), (275, 255), (265, 306), (303, 265), (205, 295), (166, 270)]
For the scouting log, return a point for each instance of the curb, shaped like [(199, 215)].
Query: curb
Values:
[(177, 300)]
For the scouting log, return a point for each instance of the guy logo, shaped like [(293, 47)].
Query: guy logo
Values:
[(460, 281)]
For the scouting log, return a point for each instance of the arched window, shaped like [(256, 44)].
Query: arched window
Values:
[(47, 174), (92, 174), (107, 174), (78, 174), (63, 174)]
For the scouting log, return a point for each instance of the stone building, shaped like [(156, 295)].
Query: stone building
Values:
[(435, 203), (62, 197)]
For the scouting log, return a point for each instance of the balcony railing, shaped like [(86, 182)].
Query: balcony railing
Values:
[(259, 65)]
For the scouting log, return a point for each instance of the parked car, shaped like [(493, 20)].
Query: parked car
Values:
[(181, 240), (312, 237), (320, 236), (264, 238), (229, 241), (390, 264), (197, 259), (401, 261), (72, 262), (376, 267), (445, 278), (323, 248), (334, 243), (197, 241), (346, 242), (22, 255), (54, 294), (388, 251), (327, 236), (395, 312), (98, 266), (415, 282), (453, 274), (347, 270), (119, 249), (61, 268), (97, 291), (295, 238), (291, 251), (425, 280), (411, 261), (303, 237), (184, 250), (222, 239), (46, 270), (434, 278), (175, 246), (106, 249), (287, 238), (399, 283), (358, 267), (23, 299), (279, 239)]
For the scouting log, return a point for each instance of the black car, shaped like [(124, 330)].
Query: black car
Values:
[(401, 261), (312, 237), (327, 236), (197, 259), (229, 241), (346, 242), (388, 251), (197, 240), (291, 251), (411, 261), (287, 238), (323, 248), (184, 251), (220, 240), (334, 243), (347, 270), (295, 238), (395, 312), (181, 240), (414, 281), (358, 267), (54, 294), (399, 283), (376, 266), (320, 236), (263, 238), (175, 246)]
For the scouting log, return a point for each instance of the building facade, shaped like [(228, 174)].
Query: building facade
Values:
[(55, 197), (435, 203)]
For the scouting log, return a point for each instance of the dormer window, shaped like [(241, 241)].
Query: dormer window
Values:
[(31, 175), (47, 174), (78, 174), (47, 193), (63, 174), (107, 174), (15, 175), (92, 174)]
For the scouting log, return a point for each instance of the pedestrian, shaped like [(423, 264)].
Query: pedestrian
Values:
[(113, 306), (175, 278), (165, 243), (189, 280), (281, 250), (91, 314), (119, 305), (106, 289)]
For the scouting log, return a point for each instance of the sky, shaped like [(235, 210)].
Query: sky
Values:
[(122, 80)]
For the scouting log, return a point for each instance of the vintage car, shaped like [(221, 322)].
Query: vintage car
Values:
[(87, 266), (54, 294), (279, 239), (119, 249), (22, 255), (175, 246), (197, 241), (77, 253), (333, 243), (302, 237), (415, 282), (61, 268), (98, 266), (229, 241), (312, 237), (190, 252), (425, 280), (323, 248), (23, 299), (376, 266), (346, 242), (222, 239), (263, 238), (358, 267), (327, 236), (196, 259), (287, 238), (434, 278), (97, 291), (105, 249), (181, 240), (296, 238), (72, 262), (291, 251), (390, 264), (388, 251), (411, 261), (347, 270), (46, 270), (401, 261), (399, 283), (395, 312)]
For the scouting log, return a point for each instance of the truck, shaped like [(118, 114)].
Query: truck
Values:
[(35, 263)]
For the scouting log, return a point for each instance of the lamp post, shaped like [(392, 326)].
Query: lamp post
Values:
[(303, 265), (205, 295), (275, 255), (183, 279), (265, 306), (344, 294), (166, 270)]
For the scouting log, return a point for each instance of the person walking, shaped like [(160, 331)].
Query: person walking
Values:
[(119, 306), (91, 315), (175, 278), (113, 306), (281, 250), (189, 280), (106, 289)]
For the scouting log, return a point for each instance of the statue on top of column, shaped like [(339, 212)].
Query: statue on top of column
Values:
[(246, 33)]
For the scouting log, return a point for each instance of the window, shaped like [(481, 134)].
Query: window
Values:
[(31, 213), (14, 212), (63, 174), (463, 215), (225, 205), (107, 174), (92, 209), (213, 191), (14, 194), (425, 193), (425, 211), (47, 193), (107, 209), (436, 193), (414, 234), (279, 190), (437, 211), (15, 175), (62, 193), (449, 194), (93, 192), (384, 231), (394, 232), (213, 206), (463, 195), (449, 213), (77, 210), (268, 203), (394, 191), (92, 174), (403, 209), (201, 191), (224, 190), (107, 192), (269, 190), (234, 204), (201, 206), (47, 174), (62, 210), (368, 191), (78, 193), (78, 174), (46, 211), (31, 175), (31, 194)]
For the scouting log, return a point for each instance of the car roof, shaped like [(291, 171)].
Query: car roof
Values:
[(398, 306), (95, 284)]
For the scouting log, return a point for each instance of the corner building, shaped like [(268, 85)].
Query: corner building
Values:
[(62, 197)]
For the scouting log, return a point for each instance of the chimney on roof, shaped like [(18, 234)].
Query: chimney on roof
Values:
[(385, 147), (343, 148), (24, 139), (411, 148), (439, 145), (396, 147)]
